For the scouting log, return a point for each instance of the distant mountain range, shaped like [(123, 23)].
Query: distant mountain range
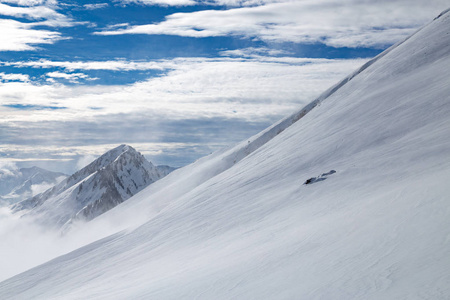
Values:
[(19, 184), (106, 182)]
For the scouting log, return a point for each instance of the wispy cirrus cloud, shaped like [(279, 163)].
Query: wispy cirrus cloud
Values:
[(112, 65), (30, 2), (95, 6), (160, 2), (33, 13), (16, 35), (254, 52), (348, 23), (230, 3), (237, 3), (261, 54), (41, 15)]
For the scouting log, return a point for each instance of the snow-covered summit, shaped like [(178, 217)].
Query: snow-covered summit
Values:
[(109, 180)]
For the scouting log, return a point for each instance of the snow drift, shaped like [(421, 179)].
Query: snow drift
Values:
[(241, 224)]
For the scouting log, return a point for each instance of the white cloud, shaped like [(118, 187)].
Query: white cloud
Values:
[(95, 6), (347, 23), (254, 52), (113, 65), (85, 153), (26, 244), (117, 26), (48, 14), (199, 2), (160, 2), (243, 2), (84, 160), (7, 168), (72, 77), (81, 155), (14, 77), (17, 36), (34, 12), (200, 103), (30, 2), (21, 36), (24, 150), (39, 188), (195, 87)]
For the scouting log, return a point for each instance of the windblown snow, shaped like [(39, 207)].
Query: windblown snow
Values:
[(241, 223)]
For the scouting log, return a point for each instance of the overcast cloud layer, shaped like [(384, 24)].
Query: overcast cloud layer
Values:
[(176, 79)]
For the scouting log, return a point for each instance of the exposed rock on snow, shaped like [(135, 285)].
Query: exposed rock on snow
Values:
[(106, 182), (319, 178)]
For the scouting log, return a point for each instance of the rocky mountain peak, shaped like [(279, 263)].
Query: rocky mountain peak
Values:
[(106, 182)]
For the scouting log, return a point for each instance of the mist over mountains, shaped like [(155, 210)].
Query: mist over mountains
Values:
[(19, 184)]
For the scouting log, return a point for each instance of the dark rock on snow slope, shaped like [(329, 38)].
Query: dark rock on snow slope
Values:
[(106, 182)]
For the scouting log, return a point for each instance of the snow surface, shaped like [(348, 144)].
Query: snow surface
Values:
[(241, 224)]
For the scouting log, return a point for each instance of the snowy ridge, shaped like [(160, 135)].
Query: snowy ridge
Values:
[(109, 180), (241, 225), (20, 184), (190, 177), (247, 147)]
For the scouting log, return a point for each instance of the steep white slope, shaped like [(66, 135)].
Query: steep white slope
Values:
[(378, 228), (109, 180), (191, 176)]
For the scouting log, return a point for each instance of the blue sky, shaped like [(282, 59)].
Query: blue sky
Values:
[(176, 79)]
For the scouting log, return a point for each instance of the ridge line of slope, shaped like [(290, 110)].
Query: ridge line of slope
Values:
[(444, 12), (124, 150), (236, 153), (272, 131)]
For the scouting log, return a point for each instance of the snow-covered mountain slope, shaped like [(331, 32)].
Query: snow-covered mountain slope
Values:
[(19, 184), (243, 225), (109, 180), (165, 170)]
